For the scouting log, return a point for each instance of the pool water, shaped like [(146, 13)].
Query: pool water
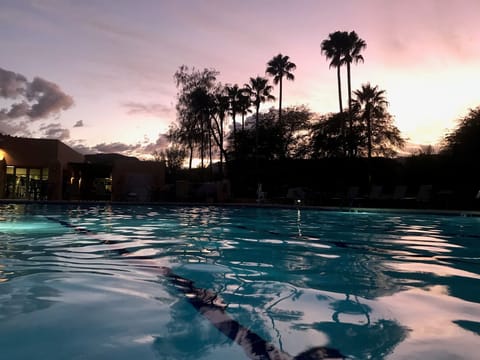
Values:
[(129, 282)]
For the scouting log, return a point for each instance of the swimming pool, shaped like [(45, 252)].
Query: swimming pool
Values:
[(152, 282)]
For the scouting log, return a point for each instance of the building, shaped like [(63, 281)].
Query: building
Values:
[(34, 168), (47, 169)]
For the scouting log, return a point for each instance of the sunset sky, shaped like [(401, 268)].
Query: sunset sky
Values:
[(113, 61)]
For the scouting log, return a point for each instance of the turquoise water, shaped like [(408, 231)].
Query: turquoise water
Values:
[(89, 282)]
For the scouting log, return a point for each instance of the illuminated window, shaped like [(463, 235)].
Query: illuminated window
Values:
[(35, 174)]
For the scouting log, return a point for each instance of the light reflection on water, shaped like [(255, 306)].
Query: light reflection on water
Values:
[(371, 285)]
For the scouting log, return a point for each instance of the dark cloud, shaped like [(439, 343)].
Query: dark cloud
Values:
[(115, 147), (18, 128), (141, 150), (79, 123), (47, 98), (15, 111), (136, 108), (160, 144), (39, 98), (12, 84), (54, 131), (79, 145)]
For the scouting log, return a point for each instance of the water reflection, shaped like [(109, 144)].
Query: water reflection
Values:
[(370, 285), (26, 296)]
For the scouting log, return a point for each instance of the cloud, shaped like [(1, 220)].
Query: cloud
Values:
[(160, 144), (18, 128), (39, 99), (79, 123), (47, 98), (54, 131), (143, 150), (115, 147), (136, 108), (11, 84), (79, 145)]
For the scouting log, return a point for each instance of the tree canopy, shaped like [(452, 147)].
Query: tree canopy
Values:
[(463, 141)]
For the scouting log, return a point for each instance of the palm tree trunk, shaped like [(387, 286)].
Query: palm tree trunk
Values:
[(234, 134), (256, 127), (256, 142), (339, 89), (350, 117), (221, 146), (369, 136), (210, 151), (280, 103), (190, 147), (202, 143)]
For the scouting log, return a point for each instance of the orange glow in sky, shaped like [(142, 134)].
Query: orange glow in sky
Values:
[(116, 59)]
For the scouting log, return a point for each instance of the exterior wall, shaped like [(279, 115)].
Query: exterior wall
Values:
[(48, 154), (66, 154), (134, 180), (28, 152)]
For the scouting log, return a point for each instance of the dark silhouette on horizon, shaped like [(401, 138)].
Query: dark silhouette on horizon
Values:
[(280, 67)]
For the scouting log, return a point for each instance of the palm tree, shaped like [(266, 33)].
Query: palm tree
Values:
[(372, 103), (259, 90), (234, 94), (245, 102), (333, 49), (351, 53), (222, 105), (279, 67)]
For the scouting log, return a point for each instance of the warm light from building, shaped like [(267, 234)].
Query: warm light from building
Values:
[(2, 154)]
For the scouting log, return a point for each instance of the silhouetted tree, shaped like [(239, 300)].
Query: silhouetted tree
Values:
[(372, 105), (351, 54), (276, 141), (202, 105), (193, 106), (280, 67), (463, 141), (260, 92), (332, 48), (235, 106), (222, 105), (174, 156), (344, 48), (326, 136), (261, 138), (386, 138), (294, 129), (245, 102)]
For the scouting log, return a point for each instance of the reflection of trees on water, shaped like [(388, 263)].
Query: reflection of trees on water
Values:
[(266, 264), (25, 298), (271, 267), (374, 341), (188, 335)]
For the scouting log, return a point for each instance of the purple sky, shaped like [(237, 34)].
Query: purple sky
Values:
[(116, 59)]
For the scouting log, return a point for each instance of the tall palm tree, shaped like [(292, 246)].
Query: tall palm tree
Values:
[(351, 53), (279, 67), (259, 90), (222, 105), (245, 104), (234, 94), (372, 103), (333, 49)]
